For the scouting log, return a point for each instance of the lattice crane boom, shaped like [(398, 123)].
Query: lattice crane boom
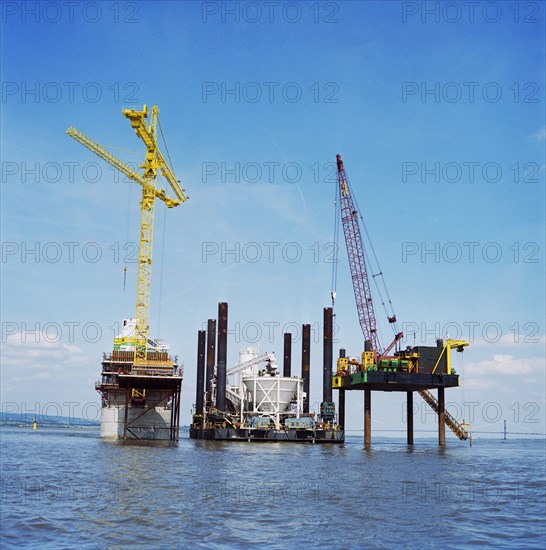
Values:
[(357, 259), (153, 162)]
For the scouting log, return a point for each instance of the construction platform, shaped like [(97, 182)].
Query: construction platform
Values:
[(394, 381), (263, 404), (139, 401), (415, 369), (141, 407), (254, 400)]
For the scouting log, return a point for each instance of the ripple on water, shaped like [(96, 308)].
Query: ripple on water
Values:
[(64, 489)]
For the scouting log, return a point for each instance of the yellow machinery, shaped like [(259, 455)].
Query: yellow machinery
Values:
[(153, 162), (459, 345)]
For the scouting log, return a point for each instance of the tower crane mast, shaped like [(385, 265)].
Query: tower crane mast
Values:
[(153, 162)]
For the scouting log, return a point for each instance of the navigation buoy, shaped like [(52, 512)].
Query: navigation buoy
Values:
[(34, 425)]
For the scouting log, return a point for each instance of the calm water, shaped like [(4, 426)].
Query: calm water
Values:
[(67, 488)]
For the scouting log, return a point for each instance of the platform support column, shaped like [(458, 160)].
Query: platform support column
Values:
[(221, 367), (441, 417), (211, 358), (171, 423), (367, 417), (327, 355), (177, 412), (341, 407), (287, 364), (409, 416), (174, 414), (126, 413), (306, 365), (199, 397)]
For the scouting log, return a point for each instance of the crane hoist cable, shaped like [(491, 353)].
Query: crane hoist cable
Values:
[(165, 143), (162, 244), (127, 228), (336, 247), (127, 221), (161, 261), (390, 313), (108, 147), (375, 267)]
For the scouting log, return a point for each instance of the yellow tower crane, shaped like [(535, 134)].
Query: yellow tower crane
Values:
[(153, 162)]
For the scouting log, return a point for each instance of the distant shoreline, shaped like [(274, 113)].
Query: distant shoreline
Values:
[(47, 426), (27, 419)]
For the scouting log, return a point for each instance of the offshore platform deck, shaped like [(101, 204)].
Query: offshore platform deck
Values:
[(139, 401), (415, 369), (395, 381)]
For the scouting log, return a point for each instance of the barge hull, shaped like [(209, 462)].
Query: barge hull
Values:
[(247, 435)]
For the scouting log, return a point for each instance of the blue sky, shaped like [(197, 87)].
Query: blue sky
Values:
[(463, 163)]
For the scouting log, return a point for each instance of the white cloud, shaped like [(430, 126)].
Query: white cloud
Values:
[(511, 340), (24, 352), (478, 384), (504, 364), (539, 135), (504, 374)]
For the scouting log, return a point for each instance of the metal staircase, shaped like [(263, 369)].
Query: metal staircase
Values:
[(458, 429), (234, 397)]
